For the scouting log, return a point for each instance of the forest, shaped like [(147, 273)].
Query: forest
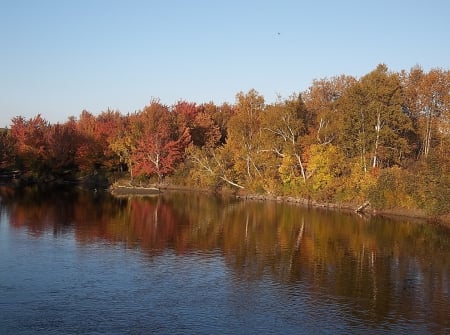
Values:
[(383, 138)]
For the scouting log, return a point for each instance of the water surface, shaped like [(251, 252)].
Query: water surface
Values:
[(83, 263)]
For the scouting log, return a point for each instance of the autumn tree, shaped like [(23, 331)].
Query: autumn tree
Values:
[(184, 113), (107, 126), (427, 98), (124, 143), (213, 167), (89, 155), (244, 135), (375, 125), (62, 142), (160, 145), (432, 189), (45, 149), (232, 153), (29, 136), (327, 171), (221, 116), (209, 163), (7, 150), (321, 101), (284, 124), (204, 131)]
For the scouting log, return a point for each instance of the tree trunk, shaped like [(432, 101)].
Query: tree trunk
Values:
[(377, 141), (427, 140), (302, 170), (363, 144)]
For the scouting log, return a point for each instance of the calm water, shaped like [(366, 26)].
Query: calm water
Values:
[(85, 263)]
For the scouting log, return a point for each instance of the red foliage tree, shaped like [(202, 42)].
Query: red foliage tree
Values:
[(97, 133), (29, 136), (89, 155), (185, 113), (108, 124), (160, 145), (7, 150), (62, 141)]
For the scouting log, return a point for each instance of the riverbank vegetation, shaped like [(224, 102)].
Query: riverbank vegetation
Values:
[(383, 138)]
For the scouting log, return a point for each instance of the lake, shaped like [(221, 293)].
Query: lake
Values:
[(190, 263)]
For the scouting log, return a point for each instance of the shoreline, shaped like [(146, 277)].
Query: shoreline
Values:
[(357, 209)]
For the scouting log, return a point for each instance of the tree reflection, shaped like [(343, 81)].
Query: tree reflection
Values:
[(370, 263)]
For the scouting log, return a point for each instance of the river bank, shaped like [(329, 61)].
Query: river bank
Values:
[(124, 189), (359, 209)]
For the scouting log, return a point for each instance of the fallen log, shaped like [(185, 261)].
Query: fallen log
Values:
[(361, 208)]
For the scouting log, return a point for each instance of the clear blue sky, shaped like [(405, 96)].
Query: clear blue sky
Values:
[(58, 57)]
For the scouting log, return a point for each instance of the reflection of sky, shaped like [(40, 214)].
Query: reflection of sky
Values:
[(4, 239)]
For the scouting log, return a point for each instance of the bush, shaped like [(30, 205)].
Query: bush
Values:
[(390, 190)]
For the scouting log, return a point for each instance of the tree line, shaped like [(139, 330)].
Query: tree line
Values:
[(384, 137)]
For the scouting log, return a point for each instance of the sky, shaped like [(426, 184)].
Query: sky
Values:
[(60, 57)]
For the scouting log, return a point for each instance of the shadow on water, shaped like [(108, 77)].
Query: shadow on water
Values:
[(381, 270)]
